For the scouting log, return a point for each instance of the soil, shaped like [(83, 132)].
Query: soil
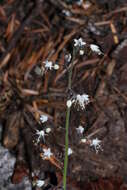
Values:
[(32, 32)]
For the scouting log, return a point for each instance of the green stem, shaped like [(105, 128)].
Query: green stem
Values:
[(66, 149), (67, 126)]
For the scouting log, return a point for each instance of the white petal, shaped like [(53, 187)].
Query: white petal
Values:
[(40, 183), (80, 129), (95, 48)]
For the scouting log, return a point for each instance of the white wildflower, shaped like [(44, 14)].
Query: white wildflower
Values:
[(41, 134), (82, 100), (56, 67), (47, 153), (48, 64), (83, 140), (80, 129), (96, 144), (79, 42), (96, 49), (40, 183), (70, 151), (66, 12), (68, 57), (43, 118), (81, 52), (69, 103), (48, 130)]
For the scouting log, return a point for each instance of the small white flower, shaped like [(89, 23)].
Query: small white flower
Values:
[(96, 49), (43, 118), (56, 67), (40, 183), (80, 129), (68, 57), (79, 42), (48, 130), (82, 100), (81, 52), (96, 144), (66, 12), (69, 103), (83, 140), (47, 153), (70, 151), (41, 134), (48, 64)]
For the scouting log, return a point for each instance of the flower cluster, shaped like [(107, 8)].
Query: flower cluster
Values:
[(79, 43), (41, 133), (81, 100)]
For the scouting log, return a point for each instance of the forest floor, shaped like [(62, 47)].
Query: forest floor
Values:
[(33, 95)]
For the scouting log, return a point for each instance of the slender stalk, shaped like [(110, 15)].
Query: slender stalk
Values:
[(66, 149), (67, 126)]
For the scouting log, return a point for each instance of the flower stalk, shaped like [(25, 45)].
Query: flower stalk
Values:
[(67, 124)]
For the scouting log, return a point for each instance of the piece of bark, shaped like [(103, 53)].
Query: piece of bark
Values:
[(11, 133)]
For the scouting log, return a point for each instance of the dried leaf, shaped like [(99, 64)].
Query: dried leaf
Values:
[(11, 133)]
